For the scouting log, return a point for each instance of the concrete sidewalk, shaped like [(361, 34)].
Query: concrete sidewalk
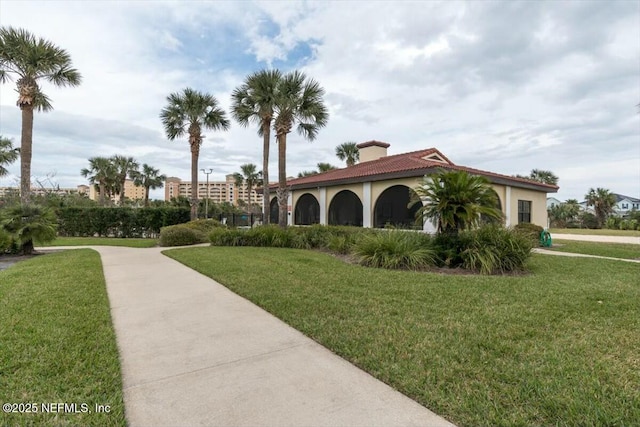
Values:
[(195, 354), (596, 238)]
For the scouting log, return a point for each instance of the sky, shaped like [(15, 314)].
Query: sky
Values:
[(502, 86)]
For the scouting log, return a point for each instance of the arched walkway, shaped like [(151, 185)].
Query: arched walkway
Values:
[(307, 210), (391, 208), (273, 211), (345, 209)]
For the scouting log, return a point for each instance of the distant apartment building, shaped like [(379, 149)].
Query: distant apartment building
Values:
[(218, 191), (39, 191), (131, 192)]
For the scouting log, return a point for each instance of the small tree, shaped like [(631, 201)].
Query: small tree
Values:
[(603, 202), (26, 223), (149, 178), (456, 200)]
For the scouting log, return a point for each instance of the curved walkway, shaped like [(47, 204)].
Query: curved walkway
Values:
[(195, 354)]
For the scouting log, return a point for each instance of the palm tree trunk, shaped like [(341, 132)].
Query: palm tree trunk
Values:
[(122, 191), (282, 180), (25, 154), (266, 205), (195, 152), (102, 191), (146, 197)]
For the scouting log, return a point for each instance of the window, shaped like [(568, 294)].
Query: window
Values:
[(625, 206), (524, 211)]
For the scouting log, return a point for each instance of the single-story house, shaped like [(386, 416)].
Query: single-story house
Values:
[(377, 191)]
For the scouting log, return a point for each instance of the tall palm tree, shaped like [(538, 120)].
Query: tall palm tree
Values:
[(348, 151), (188, 113), (124, 167), (149, 178), (602, 201), (251, 177), (456, 200), (32, 60), (100, 172), (8, 154), (254, 102), (299, 100)]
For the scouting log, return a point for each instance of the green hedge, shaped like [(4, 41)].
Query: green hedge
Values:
[(118, 221)]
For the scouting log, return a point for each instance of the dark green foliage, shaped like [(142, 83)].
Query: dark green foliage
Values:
[(5, 241), (532, 231), (181, 235), (493, 250), (118, 221), (204, 225), (589, 220), (26, 224), (228, 237), (395, 250)]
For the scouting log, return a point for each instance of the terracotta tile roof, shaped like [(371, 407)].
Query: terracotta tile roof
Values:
[(412, 164)]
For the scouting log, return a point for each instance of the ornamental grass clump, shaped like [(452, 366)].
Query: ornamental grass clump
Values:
[(395, 250), (495, 250)]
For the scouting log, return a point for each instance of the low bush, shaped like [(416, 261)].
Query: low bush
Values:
[(205, 225), (494, 249), (228, 237), (395, 250), (530, 230), (181, 235), (270, 236)]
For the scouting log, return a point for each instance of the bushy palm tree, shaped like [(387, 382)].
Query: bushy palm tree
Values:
[(544, 176), (125, 167), (8, 154), (254, 102), (299, 101), (456, 200), (189, 113), (31, 60), (149, 178), (102, 173), (602, 201), (348, 151), (26, 223)]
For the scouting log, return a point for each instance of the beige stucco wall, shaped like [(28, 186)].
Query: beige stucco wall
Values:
[(501, 190), (538, 205), (295, 196)]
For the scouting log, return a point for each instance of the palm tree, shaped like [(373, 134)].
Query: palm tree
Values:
[(31, 60), (188, 113), (254, 102), (325, 167), (602, 201), (299, 100), (307, 173), (149, 178), (456, 200), (124, 167), (348, 151), (101, 172), (8, 154), (26, 223), (250, 176), (546, 177)]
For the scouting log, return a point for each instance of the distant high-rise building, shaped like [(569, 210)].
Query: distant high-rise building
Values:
[(219, 191)]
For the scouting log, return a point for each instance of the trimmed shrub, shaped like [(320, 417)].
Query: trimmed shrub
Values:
[(494, 249), (228, 237), (395, 250), (204, 225), (181, 235), (532, 231)]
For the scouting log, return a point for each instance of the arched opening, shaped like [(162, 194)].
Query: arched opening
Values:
[(307, 210), (345, 209), (273, 211), (488, 220), (392, 208)]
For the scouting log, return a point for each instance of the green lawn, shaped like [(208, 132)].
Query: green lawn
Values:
[(102, 241), (615, 250), (556, 347), (57, 343), (603, 232)]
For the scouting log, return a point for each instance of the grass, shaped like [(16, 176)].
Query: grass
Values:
[(102, 241), (614, 250), (57, 343), (556, 347), (602, 232)]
